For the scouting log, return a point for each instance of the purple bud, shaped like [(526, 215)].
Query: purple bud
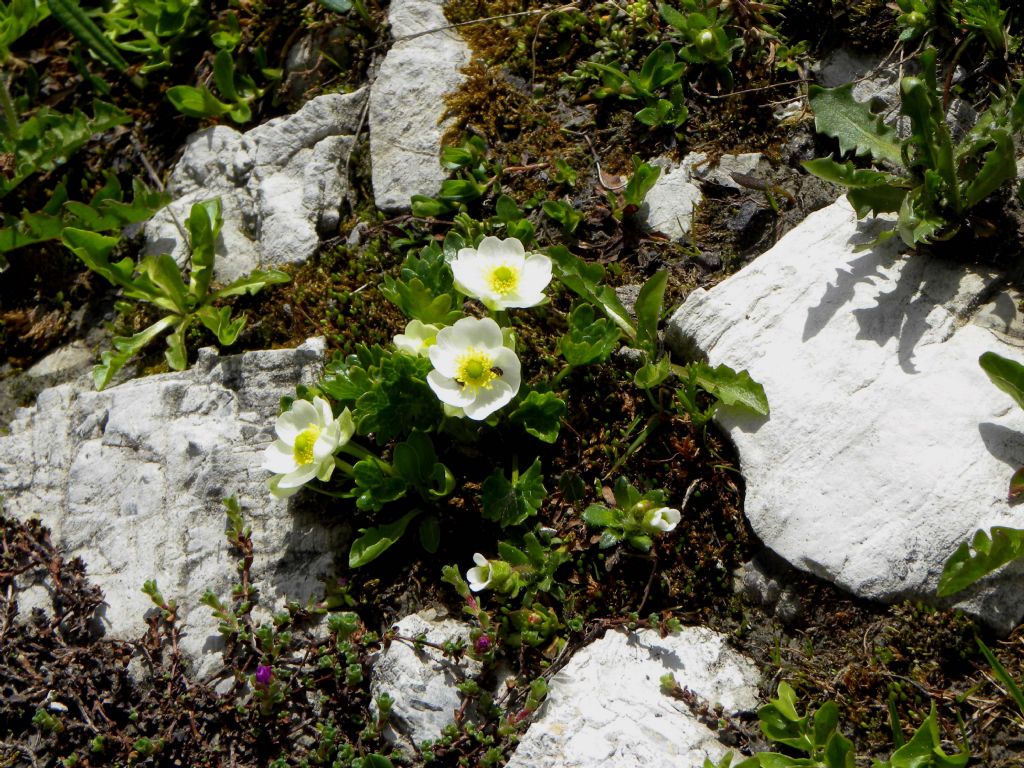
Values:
[(263, 674), (483, 644)]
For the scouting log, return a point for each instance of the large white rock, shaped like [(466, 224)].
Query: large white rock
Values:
[(605, 709), (407, 101), (887, 445), (421, 682), (668, 207), (281, 185), (131, 479)]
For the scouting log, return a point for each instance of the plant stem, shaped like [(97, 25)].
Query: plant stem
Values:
[(10, 121)]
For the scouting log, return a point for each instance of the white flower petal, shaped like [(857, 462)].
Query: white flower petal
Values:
[(346, 427), (496, 248), (277, 491), (324, 413), (279, 458), (448, 390), (444, 357), (288, 426), (479, 559), (488, 400), (325, 469), (327, 443), (479, 578), (300, 476), (483, 334)]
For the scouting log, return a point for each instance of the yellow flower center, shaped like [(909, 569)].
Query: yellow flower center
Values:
[(304, 443), (503, 279), (476, 370)]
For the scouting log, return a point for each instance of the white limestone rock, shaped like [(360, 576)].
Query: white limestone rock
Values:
[(407, 101), (131, 479), (887, 445), (605, 709), (280, 184), (668, 207), (422, 682)]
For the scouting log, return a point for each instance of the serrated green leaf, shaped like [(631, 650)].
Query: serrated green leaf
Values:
[(601, 516), (732, 387), (981, 557), (999, 167), (253, 283), (511, 502), (376, 484), (125, 347), (589, 339), (176, 354), (219, 322), (540, 414), (375, 541), (839, 115)]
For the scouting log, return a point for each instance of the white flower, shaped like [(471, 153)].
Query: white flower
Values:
[(308, 437), (473, 369), (480, 576), (501, 274), (663, 519), (418, 337)]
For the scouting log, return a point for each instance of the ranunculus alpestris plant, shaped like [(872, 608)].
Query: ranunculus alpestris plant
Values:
[(475, 369), (501, 274)]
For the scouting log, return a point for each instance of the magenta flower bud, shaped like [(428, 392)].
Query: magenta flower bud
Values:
[(483, 644), (263, 674)]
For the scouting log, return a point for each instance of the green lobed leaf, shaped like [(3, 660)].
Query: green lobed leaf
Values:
[(589, 339), (651, 374), (601, 516), (375, 541), (376, 485), (839, 115), (732, 387), (982, 556), (218, 321), (398, 399), (49, 138), (511, 502), (540, 414)]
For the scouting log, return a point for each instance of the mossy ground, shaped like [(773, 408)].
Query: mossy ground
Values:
[(533, 110)]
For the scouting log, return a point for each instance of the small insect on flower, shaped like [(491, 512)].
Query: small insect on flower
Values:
[(473, 369), (308, 436), (501, 274)]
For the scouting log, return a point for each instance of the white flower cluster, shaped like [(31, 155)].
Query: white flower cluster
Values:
[(476, 370)]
